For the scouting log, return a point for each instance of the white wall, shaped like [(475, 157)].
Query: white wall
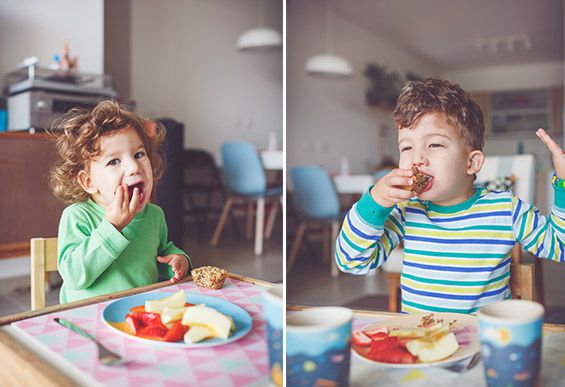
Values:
[(329, 118), (184, 65), (40, 28)]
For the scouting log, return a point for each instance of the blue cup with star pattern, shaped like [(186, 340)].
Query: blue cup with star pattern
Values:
[(273, 315), (318, 347), (511, 335)]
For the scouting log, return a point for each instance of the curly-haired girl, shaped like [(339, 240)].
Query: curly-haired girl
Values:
[(110, 236)]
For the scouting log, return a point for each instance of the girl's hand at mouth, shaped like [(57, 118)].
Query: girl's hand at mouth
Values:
[(393, 188), (121, 210)]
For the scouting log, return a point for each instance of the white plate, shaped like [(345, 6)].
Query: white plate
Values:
[(465, 329)]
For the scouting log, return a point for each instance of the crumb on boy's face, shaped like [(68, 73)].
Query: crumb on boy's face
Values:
[(439, 150), (122, 160)]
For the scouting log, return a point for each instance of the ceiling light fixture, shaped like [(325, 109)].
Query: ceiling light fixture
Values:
[(329, 64), (260, 38)]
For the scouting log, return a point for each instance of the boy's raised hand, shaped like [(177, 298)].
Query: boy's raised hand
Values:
[(391, 188), (178, 263), (556, 153), (121, 211)]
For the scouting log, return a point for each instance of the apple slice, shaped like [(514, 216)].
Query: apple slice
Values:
[(434, 348), (197, 334), (200, 315), (176, 300), (169, 315)]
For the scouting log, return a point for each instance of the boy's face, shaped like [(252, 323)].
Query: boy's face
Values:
[(122, 160), (439, 150)]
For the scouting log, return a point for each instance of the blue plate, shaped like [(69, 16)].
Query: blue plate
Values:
[(116, 312)]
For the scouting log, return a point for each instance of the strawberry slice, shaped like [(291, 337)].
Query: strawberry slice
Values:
[(387, 343), (153, 332), (377, 333), (392, 355), (176, 332), (148, 318), (359, 339)]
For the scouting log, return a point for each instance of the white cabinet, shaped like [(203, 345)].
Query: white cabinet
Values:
[(519, 113)]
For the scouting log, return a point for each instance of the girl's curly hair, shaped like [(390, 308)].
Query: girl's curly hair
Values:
[(440, 96), (76, 138)]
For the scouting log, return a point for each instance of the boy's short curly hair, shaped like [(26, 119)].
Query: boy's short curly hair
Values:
[(440, 96), (76, 138)]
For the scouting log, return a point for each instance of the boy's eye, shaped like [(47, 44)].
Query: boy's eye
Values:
[(139, 154), (405, 148), (436, 145), (113, 162)]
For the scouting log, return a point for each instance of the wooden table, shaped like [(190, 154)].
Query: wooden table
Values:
[(364, 373), (38, 359)]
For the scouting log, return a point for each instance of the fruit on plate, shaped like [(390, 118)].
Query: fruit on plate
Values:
[(200, 315), (433, 348), (168, 315), (429, 341), (197, 334), (176, 300)]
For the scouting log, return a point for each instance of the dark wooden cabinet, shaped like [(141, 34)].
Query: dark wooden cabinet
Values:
[(28, 208)]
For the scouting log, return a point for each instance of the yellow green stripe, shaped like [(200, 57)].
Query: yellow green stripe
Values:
[(449, 282), (453, 254), (420, 307)]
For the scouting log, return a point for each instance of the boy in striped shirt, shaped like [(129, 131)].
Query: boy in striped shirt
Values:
[(457, 238)]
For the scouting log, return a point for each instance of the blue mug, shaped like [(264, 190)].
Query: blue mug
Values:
[(273, 316), (510, 333), (318, 346)]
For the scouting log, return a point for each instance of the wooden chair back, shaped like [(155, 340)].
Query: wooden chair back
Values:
[(43, 254), (522, 281)]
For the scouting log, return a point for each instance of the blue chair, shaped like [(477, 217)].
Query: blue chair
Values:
[(317, 203), (243, 176)]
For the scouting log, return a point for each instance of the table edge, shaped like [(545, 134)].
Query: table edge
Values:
[(106, 297)]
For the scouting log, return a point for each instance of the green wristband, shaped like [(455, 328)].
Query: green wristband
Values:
[(557, 182)]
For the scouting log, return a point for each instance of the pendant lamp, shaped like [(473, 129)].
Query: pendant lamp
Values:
[(329, 64), (260, 38)]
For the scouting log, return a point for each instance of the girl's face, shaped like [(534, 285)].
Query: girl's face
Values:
[(122, 160), (439, 150)]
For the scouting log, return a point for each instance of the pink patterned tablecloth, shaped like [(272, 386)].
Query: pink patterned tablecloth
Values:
[(243, 362)]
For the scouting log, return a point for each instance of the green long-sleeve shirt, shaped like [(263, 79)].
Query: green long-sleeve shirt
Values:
[(95, 258)]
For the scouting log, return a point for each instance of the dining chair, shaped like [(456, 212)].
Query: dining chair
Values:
[(316, 202), (43, 254), (244, 178)]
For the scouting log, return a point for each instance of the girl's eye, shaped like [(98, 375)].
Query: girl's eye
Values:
[(436, 146), (113, 162), (406, 148), (139, 155)]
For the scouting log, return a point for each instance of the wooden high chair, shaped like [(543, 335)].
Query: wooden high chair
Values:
[(43, 254), (522, 284)]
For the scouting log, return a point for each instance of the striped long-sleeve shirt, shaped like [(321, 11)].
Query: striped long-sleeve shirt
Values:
[(456, 258)]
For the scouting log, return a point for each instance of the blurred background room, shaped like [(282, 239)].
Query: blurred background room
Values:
[(210, 70), (346, 63)]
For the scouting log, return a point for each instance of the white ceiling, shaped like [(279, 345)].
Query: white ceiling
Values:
[(445, 31)]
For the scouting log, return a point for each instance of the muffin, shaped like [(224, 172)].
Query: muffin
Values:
[(210, 277), (420, 179)]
